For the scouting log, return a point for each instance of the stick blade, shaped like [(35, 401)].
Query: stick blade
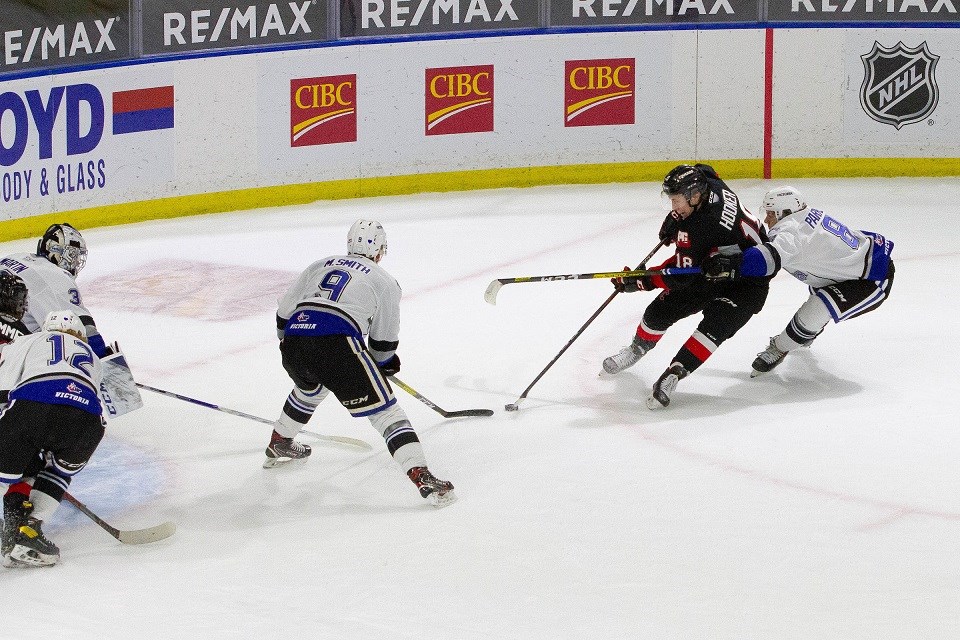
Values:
[(469, 413), (145, 536), (344, 440), (490, 295)]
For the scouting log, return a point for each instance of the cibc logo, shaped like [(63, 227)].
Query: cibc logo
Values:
[(459, 100), (899, 86), (600, 92), (323, 110)]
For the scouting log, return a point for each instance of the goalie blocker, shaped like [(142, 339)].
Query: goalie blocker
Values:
[(118, 391)]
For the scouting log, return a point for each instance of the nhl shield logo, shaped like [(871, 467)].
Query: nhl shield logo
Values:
[(899, 86)]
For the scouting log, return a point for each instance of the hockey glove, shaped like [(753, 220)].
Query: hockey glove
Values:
[(391, 367), (721, 267), (632, 284), (669, 228)]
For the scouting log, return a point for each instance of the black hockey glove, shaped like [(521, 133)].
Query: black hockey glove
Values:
[(721, 267), (669, 228), (632, 284), (391, 367)]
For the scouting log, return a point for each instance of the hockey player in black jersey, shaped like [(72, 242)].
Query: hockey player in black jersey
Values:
[(13, 304), (706, 217)]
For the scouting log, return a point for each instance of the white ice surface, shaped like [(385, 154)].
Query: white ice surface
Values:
[(819, 501)]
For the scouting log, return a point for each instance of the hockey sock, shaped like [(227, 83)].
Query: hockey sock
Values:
[(402, 441), (805, 325), (647, 334), (44, 505), (298, 409), (21, 487), (695, 351)]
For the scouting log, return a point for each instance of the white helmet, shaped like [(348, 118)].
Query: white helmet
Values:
[(367, 238), (65, 322), (783, 201)]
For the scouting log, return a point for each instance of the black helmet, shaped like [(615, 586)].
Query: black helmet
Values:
[(685, 180), (63, 245), (13, 297)]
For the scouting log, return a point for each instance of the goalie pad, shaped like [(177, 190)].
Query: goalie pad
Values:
[(118, 391)]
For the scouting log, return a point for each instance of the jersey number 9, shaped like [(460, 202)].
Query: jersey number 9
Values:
[(333, 284)]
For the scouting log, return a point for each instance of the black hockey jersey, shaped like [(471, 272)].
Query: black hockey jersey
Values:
[(10, 330), (720, 221)]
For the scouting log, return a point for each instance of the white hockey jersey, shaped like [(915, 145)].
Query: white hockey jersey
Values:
[(49, 288), (819, 251), (346, 295), (53, 368)]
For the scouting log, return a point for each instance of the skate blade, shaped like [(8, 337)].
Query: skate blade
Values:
[(445, 500), (653, 404), (25, 557), (272, 463), (754, 373)]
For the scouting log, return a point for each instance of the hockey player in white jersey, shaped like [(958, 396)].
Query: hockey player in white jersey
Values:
[(50, 275), (50, 427), (321, 322), (849, 272)]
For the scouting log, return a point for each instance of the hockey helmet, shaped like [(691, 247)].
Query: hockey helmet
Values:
[(13, 297), (685, 180), (367, 238), (783, 201), (63, 245), (65, 322)]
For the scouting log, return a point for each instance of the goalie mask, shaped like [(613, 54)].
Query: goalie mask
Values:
[(783, 201), (13, 297), (65, 322), (367, 238), (63, 246)]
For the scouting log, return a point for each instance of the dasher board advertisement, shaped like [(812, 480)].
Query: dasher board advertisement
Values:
[(36, 35), (396, 17), (577, 13), (170, 26), (80, 140), (887, 11), (902, 91)]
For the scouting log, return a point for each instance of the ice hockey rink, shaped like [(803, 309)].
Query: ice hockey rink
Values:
[(819, 501)]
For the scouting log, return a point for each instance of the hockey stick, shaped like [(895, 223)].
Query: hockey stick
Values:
[(135, 536), (494, 287), (338, 439), (466, 413), (514, 406)]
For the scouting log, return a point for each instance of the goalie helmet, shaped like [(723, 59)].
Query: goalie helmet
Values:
[(367, 238), (783, 201), (685, 180), (63, 245), (13, 297), (65, 322)]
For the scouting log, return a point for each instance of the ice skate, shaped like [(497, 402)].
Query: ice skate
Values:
[(628, 356), (665, 386), (768, 359), (16, 508), (31, 547), (284, 450), (438, 492), (23, 541)]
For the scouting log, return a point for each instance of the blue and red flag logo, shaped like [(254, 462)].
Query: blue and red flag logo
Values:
[(138, 110)]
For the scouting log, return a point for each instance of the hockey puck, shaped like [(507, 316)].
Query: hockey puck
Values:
[(511, 407)]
